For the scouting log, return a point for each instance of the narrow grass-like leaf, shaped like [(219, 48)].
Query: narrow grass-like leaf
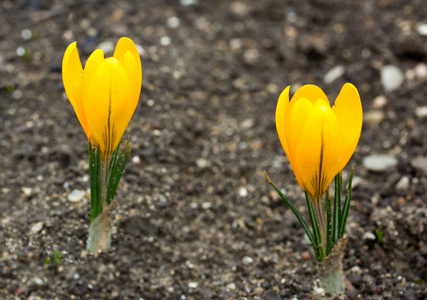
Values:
[(295, 211), (318, 240), (328, 207), (337, 208), (121, 168), (346, 206)]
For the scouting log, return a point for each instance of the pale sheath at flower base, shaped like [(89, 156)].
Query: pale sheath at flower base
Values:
[(318, 140), (105, 93)]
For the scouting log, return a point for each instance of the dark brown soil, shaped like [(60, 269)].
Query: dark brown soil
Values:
[(196, 218)]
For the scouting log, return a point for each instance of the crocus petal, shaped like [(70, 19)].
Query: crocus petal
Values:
[(127, 54), (107, 102), (318, 150), (348, 109), (72, 78), (309, 92), (281, 110)]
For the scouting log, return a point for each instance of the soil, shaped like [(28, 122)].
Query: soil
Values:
[(196, 218)]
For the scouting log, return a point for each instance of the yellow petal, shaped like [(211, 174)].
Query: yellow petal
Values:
[(72, 79), (127, 54), (319, 149), (108, 105), (281, 110), (309, 92), (349, 112)]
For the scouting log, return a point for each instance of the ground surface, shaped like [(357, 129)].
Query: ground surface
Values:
[(196, 218)]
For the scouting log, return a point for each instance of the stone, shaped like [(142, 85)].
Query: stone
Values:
[(420, 163), (333, 74), (76, 195), (379, 101), (391, 78), (374, 117), (369, 236), (107, 47), (421, 112), (403, 183), (243, 192), (422, 29), (36, 227), (379, 162)]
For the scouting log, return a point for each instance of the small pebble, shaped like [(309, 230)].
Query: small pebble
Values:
[(422, 29), (403, 183), (379, 162), (76, 195), (374, 117), (318, 292), (173, 22), (391, 78), (36, 227), (27, 191), (379, 101), (420, 163), (248, 260), (231, 286), (106, 46), (369, 236), (193, 285), (243, 192), (333, 74), (202, 163), (305, 255), (136, 160), (188, 2), (37, 281), (421, 112), (165, 40), (421, 71)]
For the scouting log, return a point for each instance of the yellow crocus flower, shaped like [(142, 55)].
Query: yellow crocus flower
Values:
[(317, 139), (105, 93)]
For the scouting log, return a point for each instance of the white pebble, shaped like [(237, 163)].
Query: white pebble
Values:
[(333, 74), (26, 34), (422, 29), (379, 101), (391, 78), (107, 47), (421, 112), (165, 40), (193, 285), (173, 22), (403, 183), (243, 192), (202, 163), (248, 260), (379, 162), (231, 286), (36, 227), (76, 195), (421, 71), (369, 236), (27, 191), (374, 117), (188, 2), (136, 160)]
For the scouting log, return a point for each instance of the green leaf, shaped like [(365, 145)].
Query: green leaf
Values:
[(337, 207), (346, 206), (318, 239), (295, 211)]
